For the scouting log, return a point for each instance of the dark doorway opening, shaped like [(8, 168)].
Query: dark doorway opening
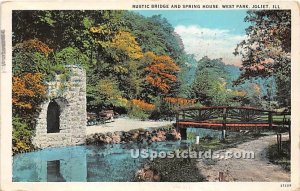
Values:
[(53, 114)]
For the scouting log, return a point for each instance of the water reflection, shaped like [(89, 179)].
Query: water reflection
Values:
[(83, 163), (54, 172), (205, 132), (87, 163)]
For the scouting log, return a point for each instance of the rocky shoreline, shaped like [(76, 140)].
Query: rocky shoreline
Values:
[(135, 136), (132, 136)]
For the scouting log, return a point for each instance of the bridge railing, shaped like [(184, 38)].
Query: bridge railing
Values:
[(227, 115)]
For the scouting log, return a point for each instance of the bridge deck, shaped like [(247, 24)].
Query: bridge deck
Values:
[(218, 125)]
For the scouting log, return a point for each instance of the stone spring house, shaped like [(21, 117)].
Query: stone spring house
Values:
[(62, 120)]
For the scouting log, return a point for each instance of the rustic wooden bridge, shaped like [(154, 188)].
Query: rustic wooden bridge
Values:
[(228, 118)]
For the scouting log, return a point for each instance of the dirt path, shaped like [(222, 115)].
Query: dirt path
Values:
[(125, 124), (246, 170)]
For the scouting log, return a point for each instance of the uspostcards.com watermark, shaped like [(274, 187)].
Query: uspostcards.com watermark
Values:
[(208, 154)]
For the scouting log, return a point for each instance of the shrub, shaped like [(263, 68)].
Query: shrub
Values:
[(136, 112), (21, 136), (283, 157), (140, 109), (142, 105)]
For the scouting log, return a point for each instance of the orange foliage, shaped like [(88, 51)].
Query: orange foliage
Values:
[(179, 101), (27, 89), (35, 44), (142, 104), (162, 70)]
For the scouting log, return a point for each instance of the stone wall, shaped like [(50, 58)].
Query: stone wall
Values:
[(70, 95)]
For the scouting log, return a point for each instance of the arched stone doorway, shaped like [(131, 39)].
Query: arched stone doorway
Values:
[(62, 119), (53, 114)]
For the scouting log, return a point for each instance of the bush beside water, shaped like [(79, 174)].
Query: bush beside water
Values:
[(21, 136)]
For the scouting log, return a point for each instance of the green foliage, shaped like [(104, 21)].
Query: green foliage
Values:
[(191, 136), (106, 92), (177, 170), (137, 112), (21, 136), (163, 110), (29, 62), (109, 44), (209, 86), (155, 34), (71, 56), (283, 157)]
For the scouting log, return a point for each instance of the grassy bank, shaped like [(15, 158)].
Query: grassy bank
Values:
[(282, 157), (185, 170)]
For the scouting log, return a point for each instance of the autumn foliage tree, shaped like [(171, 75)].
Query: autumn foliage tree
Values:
[(109, 46), (126, 66), (34, 45), (126, 45), (28, 90), (267, 50), (160, 72), (30, 66)]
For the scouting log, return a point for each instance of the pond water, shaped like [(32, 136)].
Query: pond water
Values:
[(87, 163)]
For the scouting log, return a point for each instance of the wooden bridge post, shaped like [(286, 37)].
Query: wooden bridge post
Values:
[(279, 142), (183, 133), (270, 119), (179, 128), (289, 126), (199, 115), (224, 123), (176, 122)]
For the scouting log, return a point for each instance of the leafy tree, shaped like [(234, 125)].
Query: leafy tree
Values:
[(21, 135), (31, 56), (108, 45), (210, 83), (104, 42), (126, 66), (127, 47), (30, 65), (267, 50), (34, 56), (106, 93), (160, 73), (71, 56), (28, 91)]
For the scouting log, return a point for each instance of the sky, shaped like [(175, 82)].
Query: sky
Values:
[(207, 33)]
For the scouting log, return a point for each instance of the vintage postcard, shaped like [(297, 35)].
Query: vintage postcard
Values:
[(181, 95)]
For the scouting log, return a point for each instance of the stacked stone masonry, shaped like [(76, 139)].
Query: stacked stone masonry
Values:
[(70, 96)]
